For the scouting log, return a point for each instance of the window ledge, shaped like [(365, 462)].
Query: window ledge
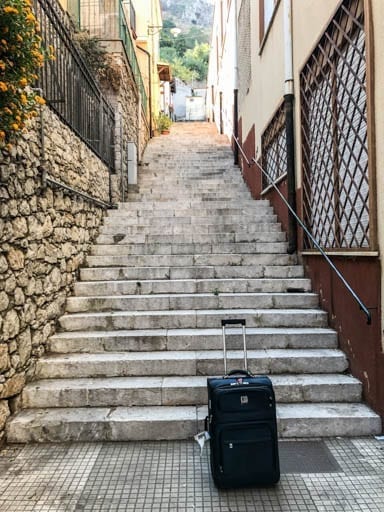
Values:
[(348, 254)]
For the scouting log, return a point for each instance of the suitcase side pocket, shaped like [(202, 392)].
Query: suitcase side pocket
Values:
[(248, 452)]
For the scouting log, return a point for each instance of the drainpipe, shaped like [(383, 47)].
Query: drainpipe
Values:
[(236, 91), (289, 124), (150, 89), (221, 113)]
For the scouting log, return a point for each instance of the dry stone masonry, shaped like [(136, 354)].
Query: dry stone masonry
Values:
[(44, 236)]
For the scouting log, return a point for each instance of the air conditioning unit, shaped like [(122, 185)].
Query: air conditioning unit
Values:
[(132, 163)]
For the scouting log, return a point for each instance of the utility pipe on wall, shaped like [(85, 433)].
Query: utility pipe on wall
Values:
[(236, 88), (289, 123)]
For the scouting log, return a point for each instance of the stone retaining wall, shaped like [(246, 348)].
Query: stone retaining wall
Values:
[(44, 236)]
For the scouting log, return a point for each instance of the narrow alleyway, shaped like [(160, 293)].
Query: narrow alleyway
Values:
[(142, 332), (141, 335)]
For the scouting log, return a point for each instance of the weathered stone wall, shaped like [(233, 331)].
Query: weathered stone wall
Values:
[(129, 123), (44, 236)]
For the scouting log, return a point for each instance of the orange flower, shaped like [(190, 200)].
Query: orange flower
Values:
[(23, 82), (3, 87), (10, 10), (40, 100)]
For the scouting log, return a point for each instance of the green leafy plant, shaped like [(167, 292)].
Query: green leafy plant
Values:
[(163, 122), (99, 62), (21, 55)]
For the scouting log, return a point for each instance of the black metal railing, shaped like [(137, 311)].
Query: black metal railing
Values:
[(316, 245), (69, 87)]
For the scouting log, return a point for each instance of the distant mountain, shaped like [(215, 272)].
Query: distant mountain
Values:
[(186, 13)]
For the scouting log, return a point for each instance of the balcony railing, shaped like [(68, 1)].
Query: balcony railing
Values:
[(68, 86), (107, 21)]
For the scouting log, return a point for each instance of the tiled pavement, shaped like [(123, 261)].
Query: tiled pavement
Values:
[(318, 476)]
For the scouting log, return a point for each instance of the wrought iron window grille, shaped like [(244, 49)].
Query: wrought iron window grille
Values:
[(335, 134), (274, 148)]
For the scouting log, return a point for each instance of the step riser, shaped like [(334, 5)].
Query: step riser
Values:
[(170, 240), (189, 249), (129, 212), (181, 229), (119, 320), (191, 286), (160, 394), (126, 220), (186, 367), (104, 424), (174, 260), (156, 303), (170, 273), (129, 343)]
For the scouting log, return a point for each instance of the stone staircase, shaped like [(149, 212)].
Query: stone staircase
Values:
[(142, 331)]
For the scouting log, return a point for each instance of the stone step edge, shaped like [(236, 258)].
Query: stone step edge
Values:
[(162, 422), (250, 331), (189, 339), (185, 390)]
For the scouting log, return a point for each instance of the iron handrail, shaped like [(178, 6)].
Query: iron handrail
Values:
[(252, 162)]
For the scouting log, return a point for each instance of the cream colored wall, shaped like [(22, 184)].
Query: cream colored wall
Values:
[(378, 33), (267, 83)]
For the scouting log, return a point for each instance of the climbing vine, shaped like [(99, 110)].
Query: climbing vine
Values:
[(21, 55)]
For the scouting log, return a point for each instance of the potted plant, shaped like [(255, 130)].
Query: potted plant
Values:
[(163, 123)]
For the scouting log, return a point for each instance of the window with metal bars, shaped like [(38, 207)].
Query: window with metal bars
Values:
[(274, 148), (334, 134), (244, 49)]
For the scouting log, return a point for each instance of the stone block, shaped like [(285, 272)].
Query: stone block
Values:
[(13, 386), (4, 413), (11, 325), (15, 259), (4, 358)]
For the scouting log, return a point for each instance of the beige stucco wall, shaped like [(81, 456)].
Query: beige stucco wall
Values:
[(267, 84), (378, 33)]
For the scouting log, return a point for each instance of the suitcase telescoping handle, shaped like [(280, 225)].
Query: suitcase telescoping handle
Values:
[(234, 321)]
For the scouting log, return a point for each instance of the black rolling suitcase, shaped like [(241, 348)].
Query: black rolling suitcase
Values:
[(242, 426)]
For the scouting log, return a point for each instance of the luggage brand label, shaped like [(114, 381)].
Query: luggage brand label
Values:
[(244, 399)]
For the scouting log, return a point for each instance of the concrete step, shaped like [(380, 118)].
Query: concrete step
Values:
[(196, 212), (185, 260), (190, 319), (134, 287), (130, 220), (176, 391), (195, 272), (190, 301), (176, 204), (270, 247), (180, 229), (161, 422), (187, 363), (255, 230), (191, 239), (190, 339)]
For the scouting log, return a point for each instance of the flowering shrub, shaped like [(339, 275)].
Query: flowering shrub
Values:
[(21, 55)]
